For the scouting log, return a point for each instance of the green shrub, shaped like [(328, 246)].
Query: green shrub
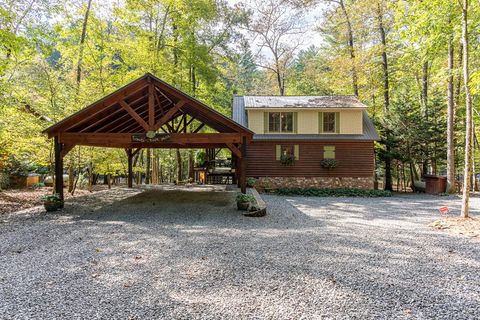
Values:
[(251, 182), (342, 192), (38, 185), (51, 198), (329, 163), (245, 198)]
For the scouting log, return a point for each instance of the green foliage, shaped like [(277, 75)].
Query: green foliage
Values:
[(328, 163), (38, 185), (245, 198), (55, 198), (251, 182), (342, 192), (287, 159)]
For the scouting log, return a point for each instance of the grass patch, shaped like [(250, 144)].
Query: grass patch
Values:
[(341, 192)]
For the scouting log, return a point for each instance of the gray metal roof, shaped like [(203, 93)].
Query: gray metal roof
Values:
[(303, 102), (239, 114)]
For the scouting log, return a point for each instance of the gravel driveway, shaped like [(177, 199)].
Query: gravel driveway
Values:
[(160, 254)]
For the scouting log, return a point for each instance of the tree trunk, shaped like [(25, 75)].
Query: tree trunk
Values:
[(90, 175), (191, 172), (468, 107), (179, 166), (450, 123), (424, 102), (147, 167), (82, 44), (386, 101), (351, 48), (71, 173)]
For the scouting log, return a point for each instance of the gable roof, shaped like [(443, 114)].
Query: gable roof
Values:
[(239, 114), (303, 102), (109, 114)]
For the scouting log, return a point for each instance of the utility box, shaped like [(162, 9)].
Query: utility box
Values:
[(435, 184)]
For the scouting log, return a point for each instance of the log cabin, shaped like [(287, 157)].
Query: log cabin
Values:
[(308, 141)]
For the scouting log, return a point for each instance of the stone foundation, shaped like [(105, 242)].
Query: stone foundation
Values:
[(315, 182)]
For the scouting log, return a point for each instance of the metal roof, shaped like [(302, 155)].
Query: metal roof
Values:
[(303, 102), (239, 114)]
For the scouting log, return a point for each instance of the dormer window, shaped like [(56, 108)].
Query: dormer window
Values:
[(329, 122), (280, 122)]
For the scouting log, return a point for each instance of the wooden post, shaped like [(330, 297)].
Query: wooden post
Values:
[(238, 170), (58, 168), (130, 168), (243, 164)]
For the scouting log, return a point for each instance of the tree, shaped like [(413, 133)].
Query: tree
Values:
[(279, 26), (469, 117)]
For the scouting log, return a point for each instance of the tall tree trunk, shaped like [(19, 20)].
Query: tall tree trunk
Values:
[(148, 166), (424, 102), (71, 174), (468, 107), (179, 166), (191, 172), (386, 100), (351, 48), (82, 45), (450, 121)]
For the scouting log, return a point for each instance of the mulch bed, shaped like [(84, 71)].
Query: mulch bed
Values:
[(469, 227), (19, 199)]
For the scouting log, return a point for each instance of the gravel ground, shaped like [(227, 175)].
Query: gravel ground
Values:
[(166, 254)]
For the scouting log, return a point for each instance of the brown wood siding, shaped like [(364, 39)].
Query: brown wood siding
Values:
[(355, 159)]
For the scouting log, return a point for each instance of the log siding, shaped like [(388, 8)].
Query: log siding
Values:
[(355, 159)]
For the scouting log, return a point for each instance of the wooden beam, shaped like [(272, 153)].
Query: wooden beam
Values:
[(112, 116), (180, 122), (58, 168), (134, 115), (95, 108), (167, 116), (163, 94), (124, 140), (151, 106), (118, 121), (243, 164), (199, 127), (234, 150), (136, 151), (66, 149), (158, 102)]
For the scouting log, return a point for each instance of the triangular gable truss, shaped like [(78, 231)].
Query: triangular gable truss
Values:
[(147, 104)]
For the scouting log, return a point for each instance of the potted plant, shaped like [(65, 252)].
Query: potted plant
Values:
[(287, 159), (329, 163), (52, 202), (251, 182), (243, 201)]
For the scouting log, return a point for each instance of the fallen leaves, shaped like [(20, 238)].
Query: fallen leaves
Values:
[(469, 227)]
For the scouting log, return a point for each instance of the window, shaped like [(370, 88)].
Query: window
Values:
[(274, 122), (280, 122), (329, 122), (328, 152), (284, 150)]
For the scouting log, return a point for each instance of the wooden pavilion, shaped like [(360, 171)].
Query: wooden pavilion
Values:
[(149, 113)]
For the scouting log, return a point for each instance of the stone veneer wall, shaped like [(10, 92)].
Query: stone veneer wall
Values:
[(316, 182)]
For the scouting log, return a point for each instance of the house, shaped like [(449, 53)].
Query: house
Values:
[(298, 139)]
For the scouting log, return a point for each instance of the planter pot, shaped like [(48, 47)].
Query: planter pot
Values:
[(52, 206), (243, 205)]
